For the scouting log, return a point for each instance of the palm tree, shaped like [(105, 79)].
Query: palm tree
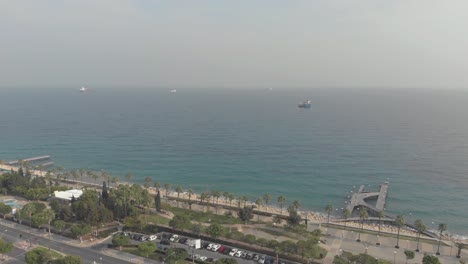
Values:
[(362, 215), (226, 195), (266, 199), (399, 222), (129, 176), (50, 216), (106, 176), (380, 214), (167, 186), (148, 181), (346, 214), (230, 198), (244, 199), (190, 193), (296, 204), (115, 180), (281, 201), (258, 202), (156, 185), (420, 227), (329, 209), (442, 227), (178, 189)]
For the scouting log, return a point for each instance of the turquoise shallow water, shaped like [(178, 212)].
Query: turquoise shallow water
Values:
[(253, 142)]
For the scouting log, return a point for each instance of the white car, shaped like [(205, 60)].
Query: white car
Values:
[(209, 246), (261, 260), (233, 251), (152, 237), (203, 258), (215, 247), (173, 238), (238, 254)]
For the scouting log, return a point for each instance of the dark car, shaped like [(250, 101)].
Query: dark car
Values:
[(226, 250), (166, 236), (250, 256), (165, 242), (183, 240), (209, 260)]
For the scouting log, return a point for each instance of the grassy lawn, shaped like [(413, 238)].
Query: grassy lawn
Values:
[(156, 219), (206, 217), (371, 232), (54, 254)]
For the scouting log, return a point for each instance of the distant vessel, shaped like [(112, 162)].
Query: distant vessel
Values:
[(83, 89), (305, 104), (174, 91)]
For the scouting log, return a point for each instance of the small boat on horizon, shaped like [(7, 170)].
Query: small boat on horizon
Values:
[(305, 104), (83, 89), (174, 91)]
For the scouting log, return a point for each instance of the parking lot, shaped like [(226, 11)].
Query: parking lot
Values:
[(208, 252)]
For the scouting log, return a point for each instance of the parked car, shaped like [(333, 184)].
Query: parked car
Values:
[(221, 249), (238, 254), (215, 247), (261, 260), (209, 246), (256, 258), (165, 242), (243, 255), (174, 238), (250, 256), (152, 237), (233, 252), (183, 240), (203, 258), (226, 250)]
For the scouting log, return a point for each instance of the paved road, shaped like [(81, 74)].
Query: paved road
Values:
[(31, 236)]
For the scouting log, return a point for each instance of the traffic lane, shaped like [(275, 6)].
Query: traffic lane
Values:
[(88, 255)]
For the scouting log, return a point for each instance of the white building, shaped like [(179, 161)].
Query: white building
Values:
[(67, 195)]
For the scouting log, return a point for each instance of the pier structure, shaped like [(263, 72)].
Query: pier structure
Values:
[(33, 159), (362, 198)]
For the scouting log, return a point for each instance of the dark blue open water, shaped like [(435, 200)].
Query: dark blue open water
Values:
[(253, 142)]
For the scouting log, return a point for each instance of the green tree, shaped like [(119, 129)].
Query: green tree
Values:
[(245, 214), (38, 256), (59, 225), (176, 254), (69, 260), (5, 209), (420, 227), (190, 194), (329, 209), (346, 215), (5, 247), (29, 209), (399, 222), (146, 248), (428, 259), (294, 218), (409, 255), (442, 227), (157, 202), (281, 201), (80, 230), (363, 215), (120, 241), (214, 230), (49, 216)]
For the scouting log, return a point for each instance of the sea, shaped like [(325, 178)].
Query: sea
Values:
[(256, 141)]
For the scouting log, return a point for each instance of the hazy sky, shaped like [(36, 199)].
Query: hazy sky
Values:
[(195, 43)]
